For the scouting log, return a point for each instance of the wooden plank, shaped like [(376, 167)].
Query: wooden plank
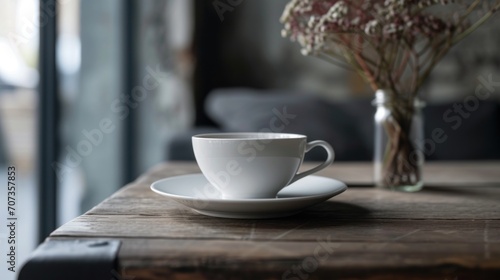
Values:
[(449, 230), (356, 173), (436, 201), (246, 272), (169, 219), (462, 173), (362, 203), (322, 259), (300, 228)]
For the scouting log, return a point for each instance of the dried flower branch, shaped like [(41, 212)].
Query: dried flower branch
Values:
[(393, 44)]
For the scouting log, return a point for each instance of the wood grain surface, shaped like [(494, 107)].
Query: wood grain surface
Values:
[(449, 230)]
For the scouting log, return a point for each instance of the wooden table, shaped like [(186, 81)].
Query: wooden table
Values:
[(449, 230)]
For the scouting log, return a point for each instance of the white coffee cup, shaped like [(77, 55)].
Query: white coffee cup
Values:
[(254, 165)]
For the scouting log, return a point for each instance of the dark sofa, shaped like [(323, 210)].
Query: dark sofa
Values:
[(347, 125)]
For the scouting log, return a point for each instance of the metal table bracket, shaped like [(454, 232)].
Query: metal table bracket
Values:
[(73, 259)]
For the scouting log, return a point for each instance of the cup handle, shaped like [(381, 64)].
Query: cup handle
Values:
[(329, 159)]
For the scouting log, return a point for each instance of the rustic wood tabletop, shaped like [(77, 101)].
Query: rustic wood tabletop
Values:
[(449, 230)]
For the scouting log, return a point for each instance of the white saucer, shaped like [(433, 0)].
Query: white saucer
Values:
[(197, 193)]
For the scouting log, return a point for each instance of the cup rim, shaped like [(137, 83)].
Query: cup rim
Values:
[(238, 136)]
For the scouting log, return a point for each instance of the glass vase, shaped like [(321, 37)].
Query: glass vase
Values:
[(398, 157)]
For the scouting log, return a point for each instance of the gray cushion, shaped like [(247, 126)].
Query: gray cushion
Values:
[(180, 146), (473, 137), (348, 126), (247, 110)]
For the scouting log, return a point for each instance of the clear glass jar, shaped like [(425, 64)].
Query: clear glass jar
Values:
[(399, 139)]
